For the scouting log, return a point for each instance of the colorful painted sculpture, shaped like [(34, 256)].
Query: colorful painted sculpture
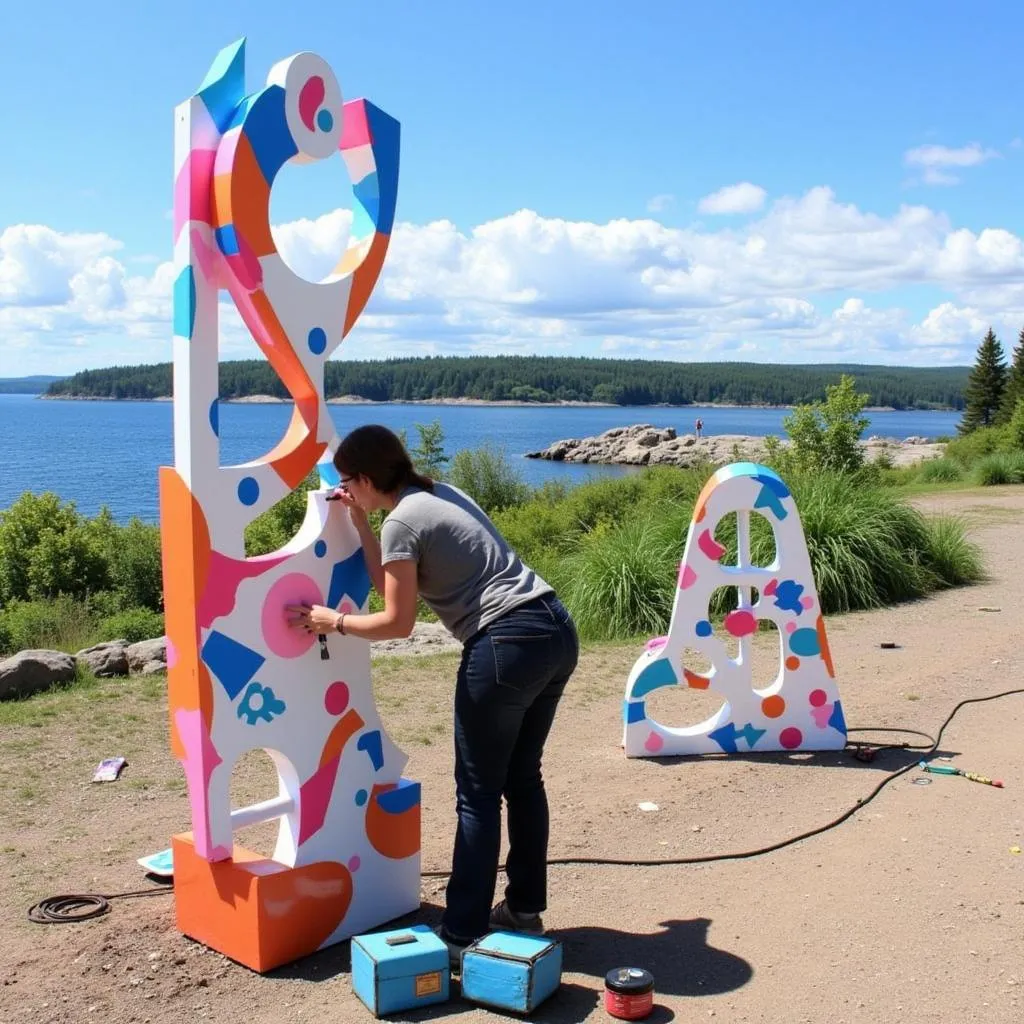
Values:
[(239, 678), (800, 710)]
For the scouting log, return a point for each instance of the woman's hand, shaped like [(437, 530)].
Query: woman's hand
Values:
[(344, 495), (313, 618)]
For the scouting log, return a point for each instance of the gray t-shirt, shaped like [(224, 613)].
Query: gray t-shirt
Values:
[(466, 572)]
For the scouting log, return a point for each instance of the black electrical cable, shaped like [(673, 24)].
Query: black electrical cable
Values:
[(66, 909)]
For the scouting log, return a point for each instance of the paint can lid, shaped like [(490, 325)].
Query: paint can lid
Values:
[(629, 980)]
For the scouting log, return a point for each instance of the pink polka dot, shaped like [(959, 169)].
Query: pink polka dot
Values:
[(336, 698), (346, 607), (653, 743), (687, 577), (353, 863), (807, 602), (284, 640), (791, 738), (655, 642), (818, 697), (172, 653), (790, 626), (741, 622)]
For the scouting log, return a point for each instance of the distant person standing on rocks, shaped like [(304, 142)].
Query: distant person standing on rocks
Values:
[(699, 427), (519, 650)]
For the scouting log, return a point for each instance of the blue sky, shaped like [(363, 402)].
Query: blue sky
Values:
[(569, 150)]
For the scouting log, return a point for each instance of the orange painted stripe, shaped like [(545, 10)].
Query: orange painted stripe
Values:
[(242, 198), (364, 278), (345, 728)]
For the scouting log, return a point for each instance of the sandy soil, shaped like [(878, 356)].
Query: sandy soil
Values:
[(910, 911)]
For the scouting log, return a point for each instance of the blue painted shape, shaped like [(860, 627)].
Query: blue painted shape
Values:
[(371, 743), (317, 341), (768, 499), (772, 481), (161, 863), (325, 120), (511, 972), (260, 703), (634, 711), (320, 548), (658, 674), (804, 642), (837, 719), (328, 474), (223, 87), (404, 797), (787, 596), (349, 577), (266, 129), (361, 797), (703, 628), (363, 226), (751, 734), (385, 133), (248, 490), (232, 663), (227, 240), (215, 416), (725, 737), (185, 303), (367, 212), (387, 977)]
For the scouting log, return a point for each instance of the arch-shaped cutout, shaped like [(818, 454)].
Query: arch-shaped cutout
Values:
[(257, 776)]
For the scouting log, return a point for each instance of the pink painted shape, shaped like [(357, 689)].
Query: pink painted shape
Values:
[(208, 258), (245, 265), (655, 643), (254, 320), (200, 759), (771, 586), (353, 863), (311, 95), (346, 607), (192, 190), (821, 715), (791, 738), (790, 627), (710, 546), (222, 580), (336, 698), (653, 743), (687, 577), (315, 797), (741, 622), (285, 640), (807, 602), (226, 152), (817, 698), (171, 653), (356, 131)]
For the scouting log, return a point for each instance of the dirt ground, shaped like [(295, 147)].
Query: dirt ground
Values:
[(911, 911)]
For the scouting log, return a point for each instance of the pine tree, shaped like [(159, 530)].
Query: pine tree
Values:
[(985, 385), (1014, 382)]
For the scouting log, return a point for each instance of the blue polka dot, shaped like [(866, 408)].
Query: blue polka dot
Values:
[(703, 628), (361, 797), (320, 548), (215, 416), (324, 121), (317, 340), (804, 642), (248, 491)]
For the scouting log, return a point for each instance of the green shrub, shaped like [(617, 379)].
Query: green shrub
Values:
[(944, 470), (1000, 468), (62, 624), (955, 560), (974, 446), (272, 529), (487, 476), (825, 435), (132, 624), (135, 566), (1015, 428)]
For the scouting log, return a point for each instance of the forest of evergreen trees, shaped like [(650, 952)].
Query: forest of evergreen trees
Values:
[(549, 379)]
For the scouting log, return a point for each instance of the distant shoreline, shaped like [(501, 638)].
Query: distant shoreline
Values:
[(475, 402)]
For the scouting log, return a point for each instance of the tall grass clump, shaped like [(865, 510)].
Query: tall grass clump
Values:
[(955, 560), (1000, 468), (940, 471), (488, 477)]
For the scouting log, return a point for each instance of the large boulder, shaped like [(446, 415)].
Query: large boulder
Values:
[(106, 660), (145, 652), (31, 671)]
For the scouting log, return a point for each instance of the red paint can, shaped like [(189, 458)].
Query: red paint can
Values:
[(629, 993)]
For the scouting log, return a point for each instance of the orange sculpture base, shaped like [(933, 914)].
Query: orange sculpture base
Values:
[(254, 910)]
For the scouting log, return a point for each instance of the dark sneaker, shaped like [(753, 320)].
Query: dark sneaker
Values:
[(504, 918)]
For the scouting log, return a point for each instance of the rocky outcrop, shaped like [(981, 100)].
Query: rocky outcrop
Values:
[(146, 655), (646, 445), (31, 671), (106, 660)]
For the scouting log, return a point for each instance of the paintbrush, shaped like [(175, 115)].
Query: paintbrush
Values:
[(948, 769)]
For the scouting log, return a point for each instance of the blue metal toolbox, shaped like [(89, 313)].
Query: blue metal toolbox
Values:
[(510, 971), (400, 970)]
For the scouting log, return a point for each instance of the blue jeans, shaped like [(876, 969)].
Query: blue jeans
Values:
[(511, 678)]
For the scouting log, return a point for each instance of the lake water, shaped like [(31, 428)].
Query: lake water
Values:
[(97, 453)]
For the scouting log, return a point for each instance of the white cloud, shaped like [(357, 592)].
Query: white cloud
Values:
[(660, 203), (741, 198), (933, 161), (810, 278)]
